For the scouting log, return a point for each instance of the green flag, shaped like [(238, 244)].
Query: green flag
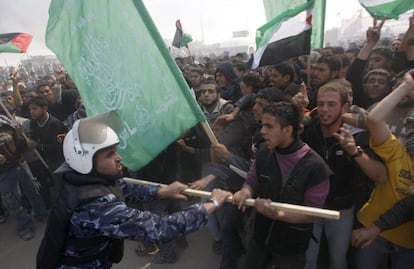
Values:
[(387, 8), (187, 38), (274, 9), (115, 55)]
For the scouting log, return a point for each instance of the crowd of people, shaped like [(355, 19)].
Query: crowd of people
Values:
[(333, 129)]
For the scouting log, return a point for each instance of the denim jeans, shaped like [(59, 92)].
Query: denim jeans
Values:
[(375, 255), (11, 197), (338, 236), (214, 219)]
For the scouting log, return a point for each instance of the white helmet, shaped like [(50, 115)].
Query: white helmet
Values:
[(82, 142)]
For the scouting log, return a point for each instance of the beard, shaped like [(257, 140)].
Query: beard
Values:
[(339, 117), (209, 106)]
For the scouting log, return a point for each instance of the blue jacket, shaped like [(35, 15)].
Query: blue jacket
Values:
[(105, 218)]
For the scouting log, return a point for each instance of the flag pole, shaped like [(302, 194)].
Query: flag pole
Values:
[(189, 53), (305, 210), (209, 132), (9, 115), (15, 68)]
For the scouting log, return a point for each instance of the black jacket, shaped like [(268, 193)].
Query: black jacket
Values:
[(277, 236), (346, 173)]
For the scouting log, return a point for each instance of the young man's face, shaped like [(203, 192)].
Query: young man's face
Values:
[(274, 135), (36, 112), (209, 95), (321, 74), (350, 95), (327, 52), (330, 109), (395, 44), (377, 61), (376, 86), (47, 92), (245, 89), (278, 80), (211, 69), (195, 79), (9, 99), (108, 162), (222, 81), (258, 108), (28, 95)]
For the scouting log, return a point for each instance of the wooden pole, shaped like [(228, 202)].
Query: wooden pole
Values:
[(209, 132), (305, 210), (9, 115), (189, 53)]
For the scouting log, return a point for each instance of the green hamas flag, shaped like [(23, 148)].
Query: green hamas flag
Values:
[(118, 60)]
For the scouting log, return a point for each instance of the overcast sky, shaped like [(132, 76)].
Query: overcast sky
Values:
[(209, 20)]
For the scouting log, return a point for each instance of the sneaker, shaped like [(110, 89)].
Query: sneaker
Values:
[(145, 248), (161, 258), (26, 235), (216, 247), (182, 243), (3, 219)]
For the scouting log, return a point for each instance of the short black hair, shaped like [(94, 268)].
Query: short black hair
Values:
[(270, 94), (41, 84), (285, 69), (286, 114), (252, 79), (334, 63), (38, 101)]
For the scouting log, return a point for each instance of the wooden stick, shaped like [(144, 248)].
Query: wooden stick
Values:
[(305, 210), (209, 132), (9, 115)]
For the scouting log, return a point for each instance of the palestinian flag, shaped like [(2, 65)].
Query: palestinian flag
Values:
[(274, 8), (285, 37), (15, 42), (387, 8), (181, 39)]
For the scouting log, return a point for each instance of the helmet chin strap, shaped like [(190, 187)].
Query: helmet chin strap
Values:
[(76, 141)]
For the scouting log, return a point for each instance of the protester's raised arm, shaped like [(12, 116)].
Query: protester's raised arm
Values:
[(373, 36), (407, 44), (17, 97), (377, 117)]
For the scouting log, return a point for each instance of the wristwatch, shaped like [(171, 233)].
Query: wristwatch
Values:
[(214, 201), (359, 152)]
